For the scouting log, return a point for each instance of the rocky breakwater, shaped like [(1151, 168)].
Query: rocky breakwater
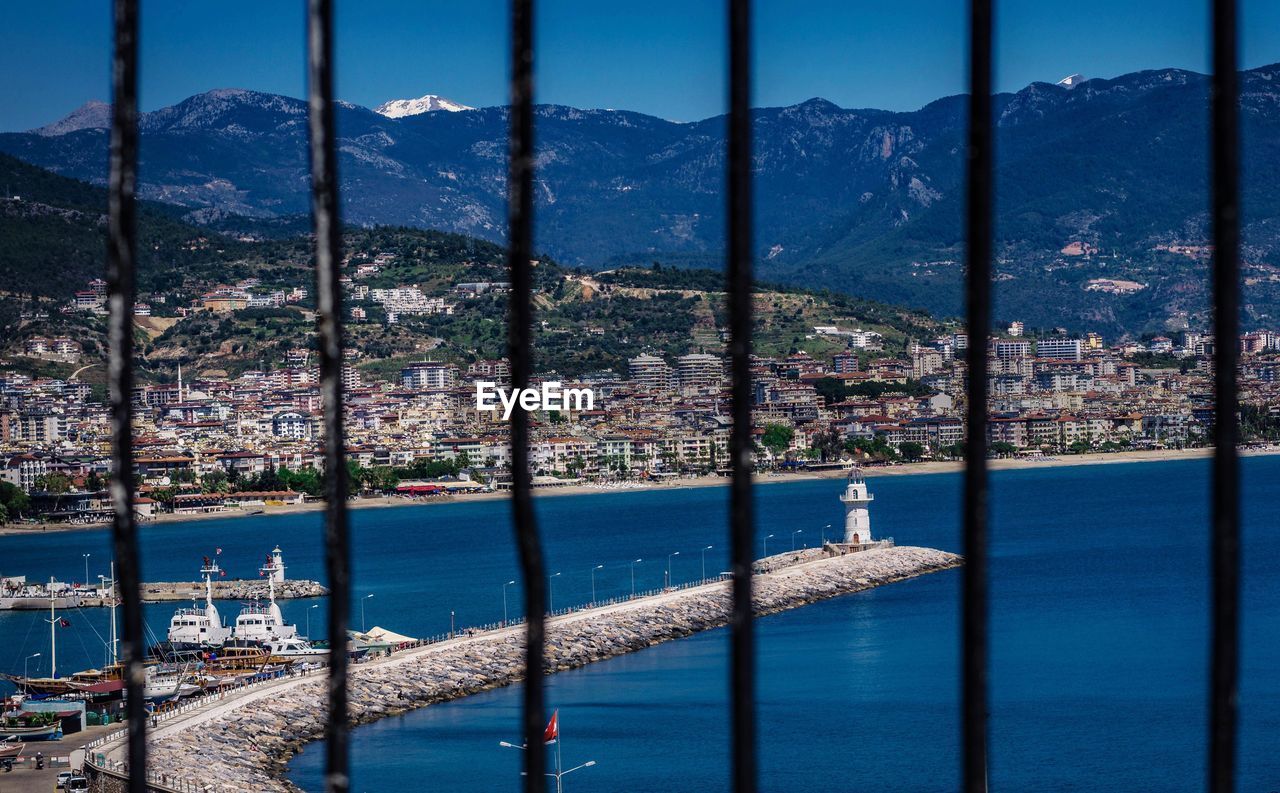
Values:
[(235, 589), (244, 744)]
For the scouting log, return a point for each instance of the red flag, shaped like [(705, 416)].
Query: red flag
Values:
[(552, 732), (63, 622)]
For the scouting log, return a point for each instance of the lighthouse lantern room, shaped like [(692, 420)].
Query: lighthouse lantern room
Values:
[(857, 517)]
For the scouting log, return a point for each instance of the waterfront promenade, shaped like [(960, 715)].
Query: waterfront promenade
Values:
[(243, 739)]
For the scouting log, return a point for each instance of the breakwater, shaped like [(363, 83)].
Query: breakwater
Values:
[(244, 741)]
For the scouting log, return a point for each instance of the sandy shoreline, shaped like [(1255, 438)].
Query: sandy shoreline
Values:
[(902, 469)]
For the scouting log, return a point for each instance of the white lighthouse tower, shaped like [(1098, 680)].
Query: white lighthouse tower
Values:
[(274, 568), (857, 518)]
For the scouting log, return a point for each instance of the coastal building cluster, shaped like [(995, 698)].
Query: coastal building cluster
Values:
[(204, 444)]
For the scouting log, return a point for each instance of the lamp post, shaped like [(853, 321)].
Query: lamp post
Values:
[(593, 582), (557, 775), (316, 606), (551, 592), (674, 553), (793, 539), (451, 630), (633, 577), (504, 602), (363, 628), (704, 561), (24, 663), (824, 533), (766, 546), (86, 569)]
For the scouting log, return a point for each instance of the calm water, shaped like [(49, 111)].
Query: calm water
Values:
[(1099, 635)]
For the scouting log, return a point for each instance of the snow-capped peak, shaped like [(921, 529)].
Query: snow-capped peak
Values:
[(399, 108), (1071, 80)]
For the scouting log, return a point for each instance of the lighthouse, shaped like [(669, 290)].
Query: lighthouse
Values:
[(857, 518), (274, 568)]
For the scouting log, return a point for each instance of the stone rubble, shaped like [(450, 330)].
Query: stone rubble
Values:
[(247, 748)]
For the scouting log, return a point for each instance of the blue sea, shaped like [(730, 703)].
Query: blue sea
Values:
[(1099, 634)]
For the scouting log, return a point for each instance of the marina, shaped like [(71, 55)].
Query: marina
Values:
[(879, 664)]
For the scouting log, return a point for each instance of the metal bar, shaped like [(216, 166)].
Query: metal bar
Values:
[(978, 184), (1225, 493), (121, 249), (327, 228), (520, 351), (741, 519)]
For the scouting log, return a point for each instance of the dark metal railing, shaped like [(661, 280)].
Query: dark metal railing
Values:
[(122, 245), (979, 200), (327, 228), (740, 253), (1225, 482), (980, 162), (520, 351)]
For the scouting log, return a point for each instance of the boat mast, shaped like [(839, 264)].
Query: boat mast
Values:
[(115, 603), (53, 633)]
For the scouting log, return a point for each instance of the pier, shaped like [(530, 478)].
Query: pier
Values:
[(243, 740), (162, 592)]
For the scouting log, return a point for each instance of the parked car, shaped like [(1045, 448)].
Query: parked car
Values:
[(63, 776), (77, 783)]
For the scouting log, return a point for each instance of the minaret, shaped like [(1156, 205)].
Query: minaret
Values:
[(179, 382), (857, 518)]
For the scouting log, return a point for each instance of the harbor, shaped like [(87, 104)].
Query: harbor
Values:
[(17, 593), (204, 744)]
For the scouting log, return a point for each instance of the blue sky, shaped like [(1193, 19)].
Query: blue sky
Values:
[(664, 57)]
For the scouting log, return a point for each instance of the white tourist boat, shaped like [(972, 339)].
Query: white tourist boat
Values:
[(263, 622), (167, 684), (199, 627), (296, 649)]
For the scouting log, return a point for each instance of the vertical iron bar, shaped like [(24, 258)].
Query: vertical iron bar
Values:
[(520, 351), (121, 249), (741, 520), (980, 193), (327, 228), (1225, 498)]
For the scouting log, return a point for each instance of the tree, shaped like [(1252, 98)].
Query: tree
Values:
[(54, 483), (777, 438), (1003, 449), (14, 500), (911, 451)]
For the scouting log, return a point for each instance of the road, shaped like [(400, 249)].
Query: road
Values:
[(26, 779)]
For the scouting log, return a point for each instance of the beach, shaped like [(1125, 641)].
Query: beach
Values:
[(897, 469)]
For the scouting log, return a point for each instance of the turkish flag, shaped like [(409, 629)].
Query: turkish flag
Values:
[(552, 732)]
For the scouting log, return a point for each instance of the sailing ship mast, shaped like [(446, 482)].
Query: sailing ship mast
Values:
[(53, 632)]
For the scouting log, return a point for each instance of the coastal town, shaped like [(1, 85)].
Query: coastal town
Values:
[(207, 444)]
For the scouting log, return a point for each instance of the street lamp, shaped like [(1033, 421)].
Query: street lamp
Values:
[(504, 602), (633, 577), (766, 546), (316, 606), (824, 533), (593, 582), (793, 539), (24, 663), (551, 592), (704, 561), (86, 569), (676, 553), (362, 622)]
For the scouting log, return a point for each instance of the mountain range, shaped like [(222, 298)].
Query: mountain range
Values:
[(1102, 187)]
